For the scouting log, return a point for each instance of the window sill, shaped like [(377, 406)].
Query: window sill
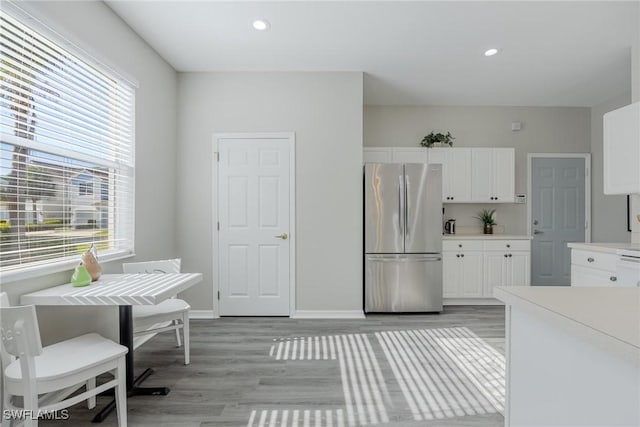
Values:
[(56, 267)]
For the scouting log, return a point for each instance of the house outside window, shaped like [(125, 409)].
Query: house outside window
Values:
[(66, 152)]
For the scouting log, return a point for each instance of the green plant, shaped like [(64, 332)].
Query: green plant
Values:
[(437, 138), (486, 216)]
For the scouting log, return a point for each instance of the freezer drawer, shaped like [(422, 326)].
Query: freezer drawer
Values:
[(403, 283)]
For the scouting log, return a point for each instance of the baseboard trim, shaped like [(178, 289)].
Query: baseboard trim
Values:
[(328, 314), (471, 301), (201, 314)]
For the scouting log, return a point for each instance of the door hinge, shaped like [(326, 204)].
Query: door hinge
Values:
[(218, 225), (586, 171), (218, 295), (217, 156)]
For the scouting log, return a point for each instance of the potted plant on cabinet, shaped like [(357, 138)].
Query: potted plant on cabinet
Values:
[(437, 140), (487, 219)]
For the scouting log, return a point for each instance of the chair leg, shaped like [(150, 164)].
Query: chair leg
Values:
[(187, 340), (176, 323), (30, 403), (121, 393), (91, 401)]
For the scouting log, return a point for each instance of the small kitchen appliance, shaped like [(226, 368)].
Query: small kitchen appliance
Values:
[(450, 226)]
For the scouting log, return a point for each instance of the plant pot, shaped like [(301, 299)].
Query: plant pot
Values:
[(488, 229)]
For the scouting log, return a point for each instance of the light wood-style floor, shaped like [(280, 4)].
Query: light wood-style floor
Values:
[(389, 370)]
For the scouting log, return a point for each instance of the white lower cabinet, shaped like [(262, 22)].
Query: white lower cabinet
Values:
[(592, 268), (462, 274), (473, 268), (505, 269)]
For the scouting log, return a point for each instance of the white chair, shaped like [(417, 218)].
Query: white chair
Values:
[(172, 310), (39, 371)]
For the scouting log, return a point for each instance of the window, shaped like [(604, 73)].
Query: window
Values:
[(66, 153)]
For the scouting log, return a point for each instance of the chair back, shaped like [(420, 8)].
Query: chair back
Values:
[(5, 358), (20, 332), (158, 267)]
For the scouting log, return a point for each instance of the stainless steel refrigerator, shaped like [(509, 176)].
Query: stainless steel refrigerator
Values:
[(403, 237)]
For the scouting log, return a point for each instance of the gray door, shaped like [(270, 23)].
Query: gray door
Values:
[(558, 217), (423, 222), (384, 213)]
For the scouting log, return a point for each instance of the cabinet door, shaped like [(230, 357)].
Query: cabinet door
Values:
[(458, 174), (409, 155), (439, 155), (482, 173), (519, 269), (503, 175), (495, 271), (471, 283), (376, 155), (587, 277), (450, 275), (621, 150)]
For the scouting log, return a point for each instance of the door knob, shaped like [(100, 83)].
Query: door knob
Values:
[(282, 236), (537, 232), (535, 222)]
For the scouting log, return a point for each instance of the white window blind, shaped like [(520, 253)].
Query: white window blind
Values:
[(66, 153)]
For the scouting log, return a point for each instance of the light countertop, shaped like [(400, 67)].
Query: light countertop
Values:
[(610, 248), (485, 237), (607, 317)]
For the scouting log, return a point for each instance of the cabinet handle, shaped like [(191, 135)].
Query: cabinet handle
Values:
[(508, 246), (461, 255), (613, 278), (590, 259), (457, 255), (510, 255), (459, 246), (505, 255)]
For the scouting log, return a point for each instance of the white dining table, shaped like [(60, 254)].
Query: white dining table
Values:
[(124, 291)]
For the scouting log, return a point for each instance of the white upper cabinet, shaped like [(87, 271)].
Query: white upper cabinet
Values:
[(493, 175), (376, 155), (622, 150), (456, 172), (409, 155), (469, 175)]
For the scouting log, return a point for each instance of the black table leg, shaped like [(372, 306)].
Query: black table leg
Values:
[(133, 384)]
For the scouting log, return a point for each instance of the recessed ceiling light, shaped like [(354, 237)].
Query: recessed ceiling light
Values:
[(491, 52), (261, 24)]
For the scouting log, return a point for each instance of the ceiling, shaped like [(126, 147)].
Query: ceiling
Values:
[(412, 53)]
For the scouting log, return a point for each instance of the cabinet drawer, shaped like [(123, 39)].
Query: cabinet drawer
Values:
[(461, 245), (598, 260), (507, 245), (584, 276)]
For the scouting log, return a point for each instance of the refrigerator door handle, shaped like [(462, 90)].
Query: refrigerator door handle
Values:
[(426, 258), (401, 207), (406, 208)]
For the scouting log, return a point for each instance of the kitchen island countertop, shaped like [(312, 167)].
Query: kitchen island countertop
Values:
[(608, 317), (609, 248)]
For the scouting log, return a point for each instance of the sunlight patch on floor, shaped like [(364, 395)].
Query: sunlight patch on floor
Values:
[(440, 373)]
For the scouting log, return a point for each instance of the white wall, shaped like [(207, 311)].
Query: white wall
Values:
[(635, 90), (94, 27), (609, 213), (545, 129), (325, 112)]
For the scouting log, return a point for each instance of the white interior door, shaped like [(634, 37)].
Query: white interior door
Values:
[(254, 226)]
